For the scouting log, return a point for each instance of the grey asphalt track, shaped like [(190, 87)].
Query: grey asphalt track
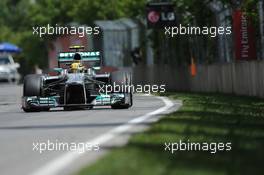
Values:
[(19, 130)]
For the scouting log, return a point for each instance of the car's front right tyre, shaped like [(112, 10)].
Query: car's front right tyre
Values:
[(33, 87)]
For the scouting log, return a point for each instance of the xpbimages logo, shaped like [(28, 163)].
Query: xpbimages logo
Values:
[(195, 30), (56, 145), (65, 30), (212, 147), (146, 89)]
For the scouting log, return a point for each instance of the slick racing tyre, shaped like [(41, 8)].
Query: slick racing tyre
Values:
[(121, 79), (121, 82), (127, 103), (32, 85)]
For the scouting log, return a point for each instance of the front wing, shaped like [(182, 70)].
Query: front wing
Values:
[(53, 101)]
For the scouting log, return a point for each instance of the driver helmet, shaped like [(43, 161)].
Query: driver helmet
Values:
[(77, 66)]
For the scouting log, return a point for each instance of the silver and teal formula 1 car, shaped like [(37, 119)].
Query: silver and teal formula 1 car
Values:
[(78, 83)]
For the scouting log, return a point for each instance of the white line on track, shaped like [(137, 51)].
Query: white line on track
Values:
[(58, 164)]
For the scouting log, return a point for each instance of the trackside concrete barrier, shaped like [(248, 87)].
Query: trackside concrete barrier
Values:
[(241, 78)]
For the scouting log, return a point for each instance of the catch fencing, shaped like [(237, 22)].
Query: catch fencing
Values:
[(116, 41)]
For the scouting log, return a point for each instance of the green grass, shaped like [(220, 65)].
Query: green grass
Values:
[(203, 118)]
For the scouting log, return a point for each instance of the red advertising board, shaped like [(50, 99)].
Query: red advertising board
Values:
[(245, 46)]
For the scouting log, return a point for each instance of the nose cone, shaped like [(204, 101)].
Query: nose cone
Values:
[(75, 78)]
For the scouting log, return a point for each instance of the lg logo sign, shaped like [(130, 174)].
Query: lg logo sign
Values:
[(170, 16), (160, 15), (154, 16)]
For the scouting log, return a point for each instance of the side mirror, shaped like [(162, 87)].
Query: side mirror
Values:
[(16, 65)]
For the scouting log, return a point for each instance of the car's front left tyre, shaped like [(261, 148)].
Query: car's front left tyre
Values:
[(122, 78), (127, 103)]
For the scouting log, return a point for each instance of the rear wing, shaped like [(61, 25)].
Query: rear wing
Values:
[(85, 56)]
